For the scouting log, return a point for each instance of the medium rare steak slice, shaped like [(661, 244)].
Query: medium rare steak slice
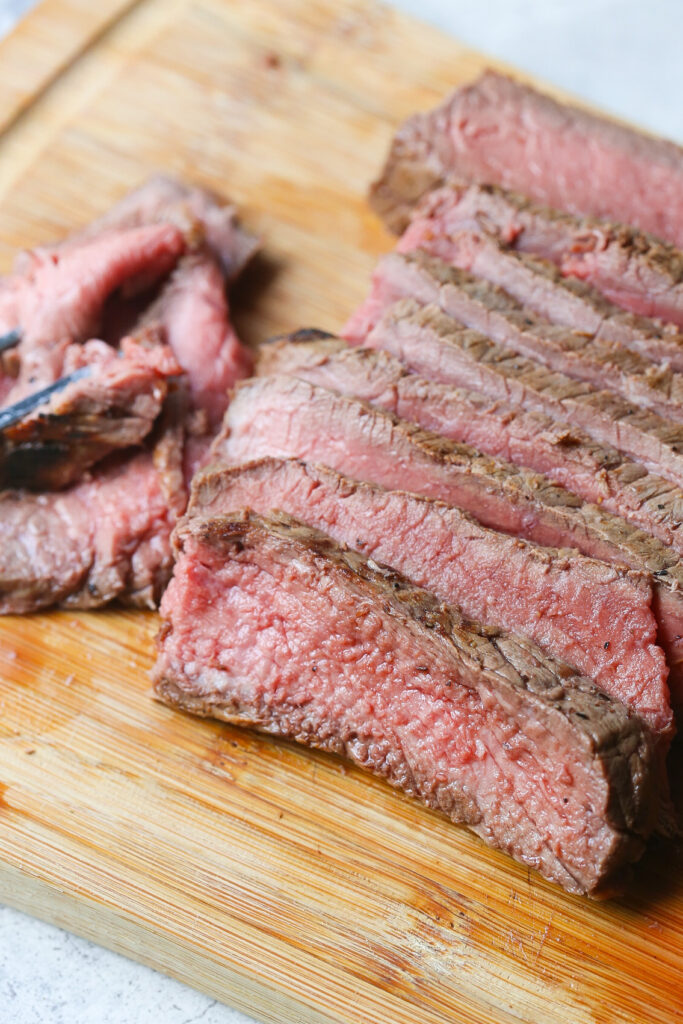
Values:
[(500, 131), (522, 587), (196, 211), (193, 310), (632, 270), (272, 625), (539, 286), (112, 408), (480, 305), (564, 454), (60, 299), (438, 348), (511, 500), (106, 538)]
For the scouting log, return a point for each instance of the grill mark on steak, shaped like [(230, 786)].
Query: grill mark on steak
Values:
[(448, 353), (499, 131), (632, 270), (522, 587), (538, 285), (224, 652)]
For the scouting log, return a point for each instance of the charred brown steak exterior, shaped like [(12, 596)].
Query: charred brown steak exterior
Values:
[(270, 624)]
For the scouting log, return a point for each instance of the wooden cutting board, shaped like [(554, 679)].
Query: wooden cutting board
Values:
[(281, 881)]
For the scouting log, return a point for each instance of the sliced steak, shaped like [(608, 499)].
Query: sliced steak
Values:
[(500, 131), (112, 408), (480, 305), (198, 212), (437, 347), (632, 270), (539, 286), (564, 454), (193, 310), (60, 300), (272, 625), (289, 418), (521, 503), (106, 538)]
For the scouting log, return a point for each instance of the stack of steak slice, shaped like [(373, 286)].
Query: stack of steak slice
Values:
[(397, 541), (113, 391)]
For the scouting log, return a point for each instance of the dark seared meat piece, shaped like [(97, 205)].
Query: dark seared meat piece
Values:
[(111, 405), (540, 287)]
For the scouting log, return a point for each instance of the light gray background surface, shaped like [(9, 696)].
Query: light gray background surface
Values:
[(623, 55)]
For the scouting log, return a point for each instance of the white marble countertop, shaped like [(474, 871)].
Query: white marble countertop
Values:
[(623, 55)]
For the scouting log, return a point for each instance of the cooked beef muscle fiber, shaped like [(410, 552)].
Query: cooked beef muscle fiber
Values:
[(107, 535), (105, 538), (499, 131), (538, 285), (564, 454), (439, 348), (112, 408), (272, 625), (482, 306), (505, 581), (499, 494), (632, 270)]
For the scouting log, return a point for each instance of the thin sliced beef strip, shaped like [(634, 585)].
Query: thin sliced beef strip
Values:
[(632, 270), (112, 408), (437, 347), (510, 499), (540, 287)]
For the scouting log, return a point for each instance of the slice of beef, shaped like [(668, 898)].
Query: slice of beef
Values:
[(289, 418), (569, 605), (480, 305), (272, 625), (437, 347), (562, 453), (112, 408), (539, 286), (505, 133), (521, 503), (193, 311), (60, 299), (198, 212), (631, 269), (106, 538)]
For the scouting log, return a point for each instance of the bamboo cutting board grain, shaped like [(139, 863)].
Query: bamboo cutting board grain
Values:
[(279, 880)]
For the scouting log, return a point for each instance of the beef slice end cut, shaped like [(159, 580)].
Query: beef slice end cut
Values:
[(272, 625)]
